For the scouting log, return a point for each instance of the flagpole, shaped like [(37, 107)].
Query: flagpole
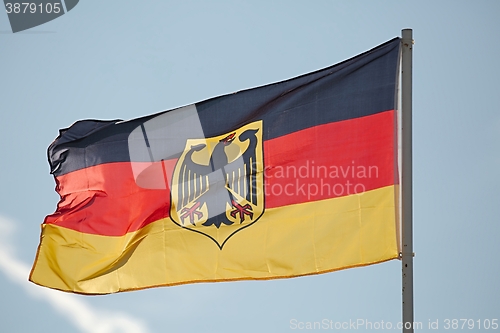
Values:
[(407, 192)]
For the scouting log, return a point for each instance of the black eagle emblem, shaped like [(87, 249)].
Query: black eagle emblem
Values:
[(217, 183)]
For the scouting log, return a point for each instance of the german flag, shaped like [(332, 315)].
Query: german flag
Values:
[(294, 178)]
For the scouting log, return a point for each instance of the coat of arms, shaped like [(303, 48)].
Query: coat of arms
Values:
[(217, 185)]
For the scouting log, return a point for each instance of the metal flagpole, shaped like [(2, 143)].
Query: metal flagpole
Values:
[(407, 208)]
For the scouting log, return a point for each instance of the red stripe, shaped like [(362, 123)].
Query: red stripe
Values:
[(350, 156), (106, 200), (331, 160)]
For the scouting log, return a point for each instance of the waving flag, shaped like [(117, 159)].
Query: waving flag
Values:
[(294, 178)]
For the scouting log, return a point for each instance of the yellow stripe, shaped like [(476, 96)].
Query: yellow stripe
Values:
[(302, 239)]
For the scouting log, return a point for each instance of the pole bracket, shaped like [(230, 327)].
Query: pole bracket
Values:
[(406, 254)]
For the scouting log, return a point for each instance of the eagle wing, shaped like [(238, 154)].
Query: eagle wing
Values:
[(193, 178), (242, 173)]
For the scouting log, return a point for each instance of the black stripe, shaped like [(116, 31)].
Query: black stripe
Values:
[(361, 86), (358, 87), (147, 142)]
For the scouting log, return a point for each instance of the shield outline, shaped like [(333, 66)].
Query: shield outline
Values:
[(174, 214)]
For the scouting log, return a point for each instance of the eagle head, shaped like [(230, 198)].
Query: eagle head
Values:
[(228, 139)]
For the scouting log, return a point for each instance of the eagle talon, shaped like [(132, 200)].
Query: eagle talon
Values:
[(241, 210), (191, 212)]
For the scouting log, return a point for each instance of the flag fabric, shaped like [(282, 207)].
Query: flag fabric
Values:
[(294, 178)]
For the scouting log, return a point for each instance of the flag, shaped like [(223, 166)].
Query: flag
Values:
[(293, 178)]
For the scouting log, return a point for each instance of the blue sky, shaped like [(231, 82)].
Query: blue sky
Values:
[(125, 59)]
